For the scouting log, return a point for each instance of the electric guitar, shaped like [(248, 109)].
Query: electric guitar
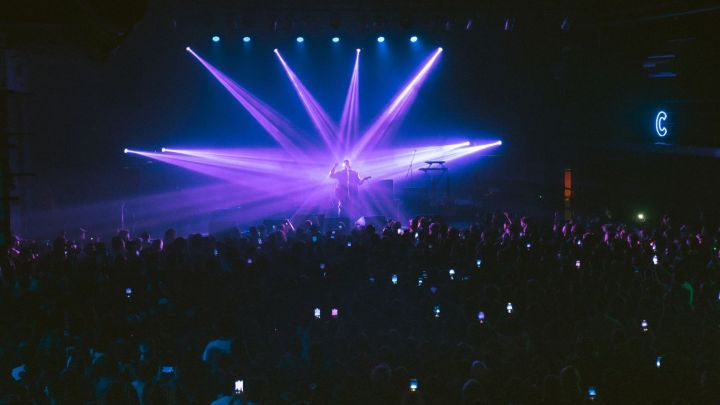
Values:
[(342, 192)]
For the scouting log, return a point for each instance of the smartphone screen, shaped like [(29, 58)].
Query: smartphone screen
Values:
[(592, 392), (167, 369), (316, 313), (239, 386), (413, 384)]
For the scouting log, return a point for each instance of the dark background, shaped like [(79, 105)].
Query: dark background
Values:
[(567, 85)]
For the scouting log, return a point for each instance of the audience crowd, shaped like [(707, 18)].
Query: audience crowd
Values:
[(506, 311)]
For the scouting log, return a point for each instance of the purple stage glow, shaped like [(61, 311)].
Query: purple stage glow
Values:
[(275, 185), (257, 183), (324, 125), (396, 110), (235, 167), (254, 168), (349, 122), (275, 124), (396, 163)]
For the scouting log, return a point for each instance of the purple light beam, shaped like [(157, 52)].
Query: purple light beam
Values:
[(350, 116), (324, 125), (394, 163), (396, 110), (275, 124)]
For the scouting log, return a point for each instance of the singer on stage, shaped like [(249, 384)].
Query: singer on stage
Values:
[(346, 191)]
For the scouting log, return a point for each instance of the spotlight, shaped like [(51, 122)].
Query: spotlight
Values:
[(246, 39), (187, 48), (381, 39), (357, 50), (413, 39), (216, 38), (125, 150), (162, 150), (275, 50), (336, 40), (466, 143), (300, 40)]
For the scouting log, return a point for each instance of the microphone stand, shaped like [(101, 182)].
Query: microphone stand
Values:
[(347, 172), (412, 159)]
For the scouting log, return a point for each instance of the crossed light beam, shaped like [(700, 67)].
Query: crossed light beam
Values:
[(268, 181), (273, 122), (324, 125), (396, 110), (337, 140)]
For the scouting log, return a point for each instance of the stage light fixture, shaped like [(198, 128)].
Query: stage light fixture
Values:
[(336, 40), (357, 50), (413, 39), (162, 150), (300, 40), (216, 38), (246, 39), (187, 48), (381, 39), (126, 150)]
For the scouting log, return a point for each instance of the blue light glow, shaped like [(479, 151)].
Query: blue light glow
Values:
[(216, 38), (413, 385), (336, 40), (381, 39), (413, 39), (660, 119), (300, 40), (246, 39)]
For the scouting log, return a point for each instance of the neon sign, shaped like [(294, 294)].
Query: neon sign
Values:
[(660, 119)]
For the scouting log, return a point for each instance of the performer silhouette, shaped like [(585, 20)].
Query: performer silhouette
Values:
[(346, 191)]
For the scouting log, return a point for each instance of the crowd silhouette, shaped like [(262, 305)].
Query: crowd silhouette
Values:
[(505, 311)]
